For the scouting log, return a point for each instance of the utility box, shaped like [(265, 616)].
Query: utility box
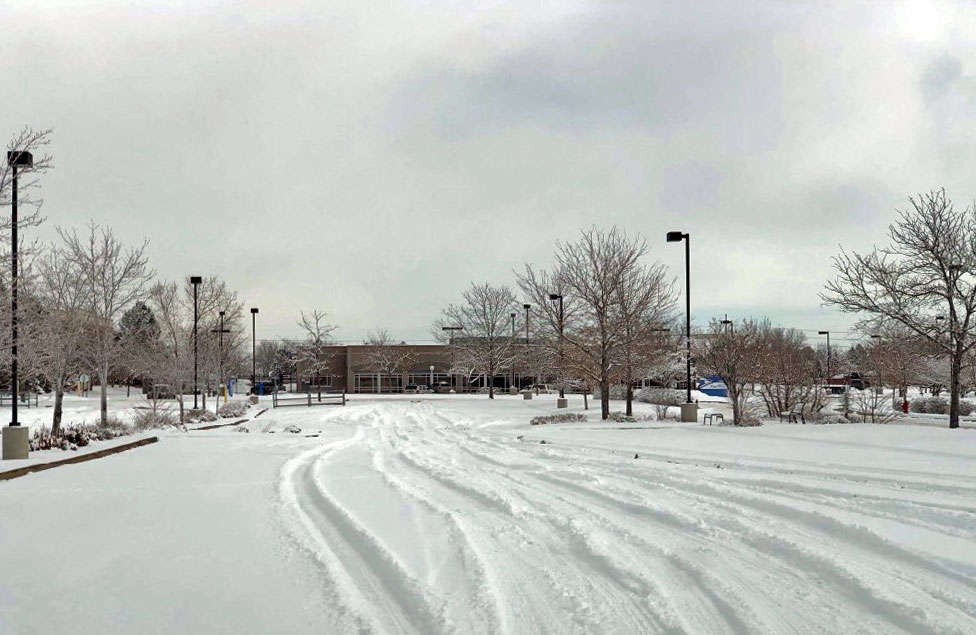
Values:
[(527, 395), (689, 412), (562, 402), (16, 442)]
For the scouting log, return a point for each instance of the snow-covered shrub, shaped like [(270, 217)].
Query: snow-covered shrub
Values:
[(938, 406), (198, 415), (149, 420), (619, 417), (617, 392), (662, 398), (567, 417), (74, 436), (233, 409)]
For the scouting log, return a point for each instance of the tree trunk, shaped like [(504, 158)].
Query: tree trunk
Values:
[(58, 402), (605, 399), (586, 403), (103, 380), (954, 389), (630, 399)]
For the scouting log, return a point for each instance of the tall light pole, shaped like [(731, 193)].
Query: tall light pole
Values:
[(195, 281), (553, 297), (688, 413), (877, 363), (527, 307), (16, 444), (254, 315), (512, 315), (451, 329), (827, 333)]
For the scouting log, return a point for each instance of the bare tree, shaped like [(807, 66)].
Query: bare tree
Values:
[(28, 203), (926, 270), (113, 276), (318, 335), (605, 289), (786, 370), (731, 355), (168, 358), (61, 325), (645, 300), (485, 345), (386, 356)]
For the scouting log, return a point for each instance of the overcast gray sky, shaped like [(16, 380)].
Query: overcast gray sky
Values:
[(372, 158)]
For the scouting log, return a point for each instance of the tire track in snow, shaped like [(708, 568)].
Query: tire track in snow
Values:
[(366, 573), (858, 582), (513, 520)]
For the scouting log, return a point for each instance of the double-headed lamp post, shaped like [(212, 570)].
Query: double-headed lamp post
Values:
[(254, 315), (729, 323), (689, 411), (195, 281), (16, 444), (827, 333), (220, 361), (554, 297)]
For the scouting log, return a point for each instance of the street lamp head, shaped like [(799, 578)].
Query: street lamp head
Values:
[(676, 237), (726, 322), (823, 332), (222, 313), (20, 159), (196, 279), (511, 315), (939, 317), (254, 310), (526, 306), (555, 296)]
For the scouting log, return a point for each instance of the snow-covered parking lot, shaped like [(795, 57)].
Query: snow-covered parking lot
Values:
[(448, 514)]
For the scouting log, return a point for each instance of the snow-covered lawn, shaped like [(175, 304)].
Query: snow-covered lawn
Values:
[(448, 514)]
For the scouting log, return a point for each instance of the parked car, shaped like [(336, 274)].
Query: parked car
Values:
[(544, 389), (416, 388)]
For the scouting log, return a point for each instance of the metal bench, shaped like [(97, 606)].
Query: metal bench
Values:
[(711, 417)]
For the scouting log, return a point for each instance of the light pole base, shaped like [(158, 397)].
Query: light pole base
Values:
[(527, 395), (689, 412), (254, 399), (512, 390), (15, 442), (562, 402)]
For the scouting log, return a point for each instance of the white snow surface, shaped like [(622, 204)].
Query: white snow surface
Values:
[(447, 514)]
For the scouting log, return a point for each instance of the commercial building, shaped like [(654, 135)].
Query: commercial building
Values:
[(361, 368)]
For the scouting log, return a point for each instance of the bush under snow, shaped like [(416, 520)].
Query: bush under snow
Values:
[(568, 417), (233, 409)]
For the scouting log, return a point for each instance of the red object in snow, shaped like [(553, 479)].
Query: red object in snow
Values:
[(904, 406)]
